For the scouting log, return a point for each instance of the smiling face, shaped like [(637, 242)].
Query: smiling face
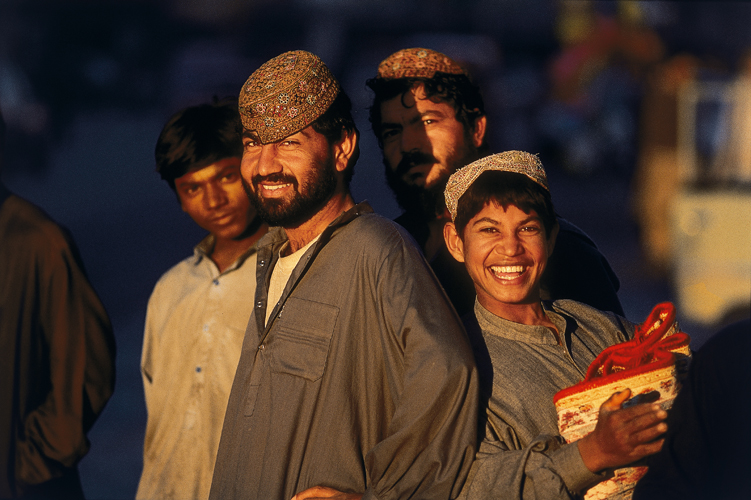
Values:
[(214, 198), (290, 180), (505, 251)]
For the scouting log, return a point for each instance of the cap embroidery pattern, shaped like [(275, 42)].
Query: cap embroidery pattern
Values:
[(286, 94), (417, 63), (518, 162)]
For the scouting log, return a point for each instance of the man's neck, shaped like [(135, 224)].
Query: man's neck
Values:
[(304, 233), (227, 251)]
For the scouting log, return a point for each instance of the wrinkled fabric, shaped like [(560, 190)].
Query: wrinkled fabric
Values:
[(521, 367), (58, 354), (363, 379), (195, 324)]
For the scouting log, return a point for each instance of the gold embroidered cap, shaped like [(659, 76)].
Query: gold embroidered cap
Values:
[(286, 94), (511, 161), (417, 63)]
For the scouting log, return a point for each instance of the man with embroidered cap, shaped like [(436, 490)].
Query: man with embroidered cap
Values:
[(356, 379), (429, 119)]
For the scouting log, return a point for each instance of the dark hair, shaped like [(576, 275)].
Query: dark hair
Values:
[(334, 122), (196, 137), (458, 90), (505, 188)]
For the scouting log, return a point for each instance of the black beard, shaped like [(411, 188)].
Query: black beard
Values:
[(319, 187), (426, 203)]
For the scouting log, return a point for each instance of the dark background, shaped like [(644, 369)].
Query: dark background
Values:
[(86, 86)]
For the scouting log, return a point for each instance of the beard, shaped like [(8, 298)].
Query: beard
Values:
[(317, 188), (427, 203)]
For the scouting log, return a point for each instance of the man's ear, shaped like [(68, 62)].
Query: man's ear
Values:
[(551, 240), (453, 242), (345, 149), (478, 133)]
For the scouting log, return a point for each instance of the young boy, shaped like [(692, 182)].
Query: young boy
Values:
[(504, 228), (197, 314)]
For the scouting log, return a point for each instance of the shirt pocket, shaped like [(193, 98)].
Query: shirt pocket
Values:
[(302, 337)]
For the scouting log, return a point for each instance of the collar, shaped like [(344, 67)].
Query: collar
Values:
[(517, 332), (204, 248), (277, 236)]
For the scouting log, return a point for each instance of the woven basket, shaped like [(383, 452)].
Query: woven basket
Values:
[(651, 365)]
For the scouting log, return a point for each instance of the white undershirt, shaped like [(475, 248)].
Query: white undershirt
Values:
[(281, 273)]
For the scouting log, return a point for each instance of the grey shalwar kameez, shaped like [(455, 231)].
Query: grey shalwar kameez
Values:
[(362, 380), (521, 368)]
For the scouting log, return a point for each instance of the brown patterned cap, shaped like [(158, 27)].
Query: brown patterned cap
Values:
[(511, 161), (417, 63), (286, 94)]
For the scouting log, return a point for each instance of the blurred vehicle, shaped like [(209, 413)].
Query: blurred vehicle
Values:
[(711, 211)]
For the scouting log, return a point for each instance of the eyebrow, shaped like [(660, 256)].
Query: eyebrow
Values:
[(250, 134), (485, 219), (497, 223)]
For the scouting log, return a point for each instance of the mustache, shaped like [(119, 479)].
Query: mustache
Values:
[(279, 177), (412, 158)]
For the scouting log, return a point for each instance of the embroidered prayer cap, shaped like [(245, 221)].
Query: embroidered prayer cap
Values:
[(286, 94), (417, 63), (511, 161)]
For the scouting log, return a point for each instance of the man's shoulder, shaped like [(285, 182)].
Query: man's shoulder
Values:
[(177, 275), (602, 323), (28, 223), (376, 231), (574, 234)]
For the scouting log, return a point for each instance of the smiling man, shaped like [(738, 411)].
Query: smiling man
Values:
[(198, 311), (429, 119), (356, 379)]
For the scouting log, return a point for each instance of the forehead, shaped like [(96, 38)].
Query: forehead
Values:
[(412, 103), (493, 211), (210, 170), (308, 133)]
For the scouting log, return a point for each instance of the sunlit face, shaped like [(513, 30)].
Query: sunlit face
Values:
[(423, 142), (215, 199), (505, 252), (290, 180)]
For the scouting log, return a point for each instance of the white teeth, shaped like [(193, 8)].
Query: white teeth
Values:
[(274, 188), (502, 272), (507, 269)]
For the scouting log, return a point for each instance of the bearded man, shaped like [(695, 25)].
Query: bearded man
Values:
[(429, 119), (356, 379)]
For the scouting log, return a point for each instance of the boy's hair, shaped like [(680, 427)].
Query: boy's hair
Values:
[(458, 90), (198, 136), (505, 188)]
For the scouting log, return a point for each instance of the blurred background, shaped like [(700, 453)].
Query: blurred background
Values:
[(640, 111)]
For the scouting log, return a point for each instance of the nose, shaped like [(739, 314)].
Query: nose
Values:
[(509, 245), (266, 161), (215, 196), (411, 139)]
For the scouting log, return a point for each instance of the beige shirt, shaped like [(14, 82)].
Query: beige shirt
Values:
[(195, 324)]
